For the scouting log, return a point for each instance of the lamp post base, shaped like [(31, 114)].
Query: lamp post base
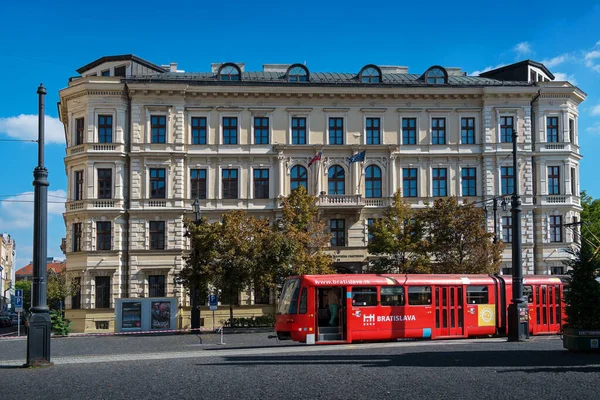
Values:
[(38, 339), (518, 322)]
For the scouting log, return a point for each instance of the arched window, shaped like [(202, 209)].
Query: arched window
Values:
[(229, 72), (337, 180), (370, 74), (436, 76), (373, 181), (298, 177), (297, 73)]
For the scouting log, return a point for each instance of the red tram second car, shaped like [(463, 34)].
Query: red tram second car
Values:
[(319, 309)]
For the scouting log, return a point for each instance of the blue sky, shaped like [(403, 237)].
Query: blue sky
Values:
[(43, 42)]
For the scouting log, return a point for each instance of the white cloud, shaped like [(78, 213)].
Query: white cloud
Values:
[(25, 126), (561, 76), (522, 49), (16, 212), (592, 55), (486, 69), (596, 109), (594, 130), (553, 62)]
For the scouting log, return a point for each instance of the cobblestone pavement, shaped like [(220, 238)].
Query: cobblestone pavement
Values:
[(254, 367)]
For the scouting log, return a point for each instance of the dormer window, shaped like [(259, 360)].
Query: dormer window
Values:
[(297, 73), (229, 72), (370, 74), (436, 76)]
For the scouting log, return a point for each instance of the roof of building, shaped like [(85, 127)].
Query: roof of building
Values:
[(389, 76), (122, 57), (28, 269), (515, 65), (320, 78)]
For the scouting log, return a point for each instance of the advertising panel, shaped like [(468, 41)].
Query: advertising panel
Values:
[(131, 315), (161, 315)]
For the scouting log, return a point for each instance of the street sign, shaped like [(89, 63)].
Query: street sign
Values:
[(18, 292), (18, 302), (213, 301)]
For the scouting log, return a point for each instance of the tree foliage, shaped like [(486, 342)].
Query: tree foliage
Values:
[(398, 240), (304, 229), (590, 217), (457, 238), (582, 298), (446, 237), (242, 251), (60, 285)]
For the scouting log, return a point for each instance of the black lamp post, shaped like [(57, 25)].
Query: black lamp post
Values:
[(195, 313), (518, 311), (495, 209), (38, 336)]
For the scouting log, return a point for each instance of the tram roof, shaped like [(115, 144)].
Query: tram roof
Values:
[(418, 279)]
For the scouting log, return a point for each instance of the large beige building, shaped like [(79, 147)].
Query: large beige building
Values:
[(8, 251), (143, 141)]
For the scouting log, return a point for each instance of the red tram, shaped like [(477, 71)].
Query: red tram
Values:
[(350, 308)]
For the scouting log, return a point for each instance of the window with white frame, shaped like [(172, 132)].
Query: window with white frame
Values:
[(261, 130), (373, 130), (506, 128), (556, 228), (552, 129), (553, 180)]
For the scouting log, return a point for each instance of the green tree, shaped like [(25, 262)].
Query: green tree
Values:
[(25, 286), (583, 297), (60, 285), (590, 218), (198, 273), (457, 238), (398, 241), (306, 234), (236, 260)]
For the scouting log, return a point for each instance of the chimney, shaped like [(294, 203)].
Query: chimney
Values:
[(173, 67)]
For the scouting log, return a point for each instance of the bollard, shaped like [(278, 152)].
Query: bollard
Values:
[(221, 336)]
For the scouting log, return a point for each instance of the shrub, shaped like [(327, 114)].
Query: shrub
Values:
[(582, 296), (60, 326)]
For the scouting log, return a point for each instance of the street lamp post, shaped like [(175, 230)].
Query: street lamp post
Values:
[(495, 209), (38, 336), (195, 313), (518, 311)]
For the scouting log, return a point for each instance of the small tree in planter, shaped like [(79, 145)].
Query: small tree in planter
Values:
[(582, 299)]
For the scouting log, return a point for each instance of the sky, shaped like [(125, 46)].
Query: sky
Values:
[(43, 42)]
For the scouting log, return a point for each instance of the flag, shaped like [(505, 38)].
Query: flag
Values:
[(357, 157), (316, 158)]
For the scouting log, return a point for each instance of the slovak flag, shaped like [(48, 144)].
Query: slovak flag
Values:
[(316, 158)]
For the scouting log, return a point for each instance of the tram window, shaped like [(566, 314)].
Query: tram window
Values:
[(528, 293), (477, 295), (303, 305), (419, 295), (364, 296), (392, 296), (288, 303)]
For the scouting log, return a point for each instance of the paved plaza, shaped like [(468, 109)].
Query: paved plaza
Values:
[(252, 366)]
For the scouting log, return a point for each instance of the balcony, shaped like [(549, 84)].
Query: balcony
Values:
[(557, 147), (94, 204), (555, 199), (97, 148), (340, 201)]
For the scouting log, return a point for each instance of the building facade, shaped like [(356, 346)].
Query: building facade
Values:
[(143, 141), (8, 250)]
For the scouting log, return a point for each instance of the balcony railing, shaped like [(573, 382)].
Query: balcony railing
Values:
[(555, 199), (95, 148), (340, 200), (94, 204)]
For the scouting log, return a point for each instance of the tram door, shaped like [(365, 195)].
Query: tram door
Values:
[(449, 311), (547, 309)]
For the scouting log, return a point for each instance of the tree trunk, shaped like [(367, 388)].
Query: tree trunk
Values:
[(231, 316)]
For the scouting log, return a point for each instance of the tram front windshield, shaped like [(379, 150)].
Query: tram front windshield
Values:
[(289, 296)]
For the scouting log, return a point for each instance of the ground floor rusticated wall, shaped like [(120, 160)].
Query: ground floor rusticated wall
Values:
[(103, 320)]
